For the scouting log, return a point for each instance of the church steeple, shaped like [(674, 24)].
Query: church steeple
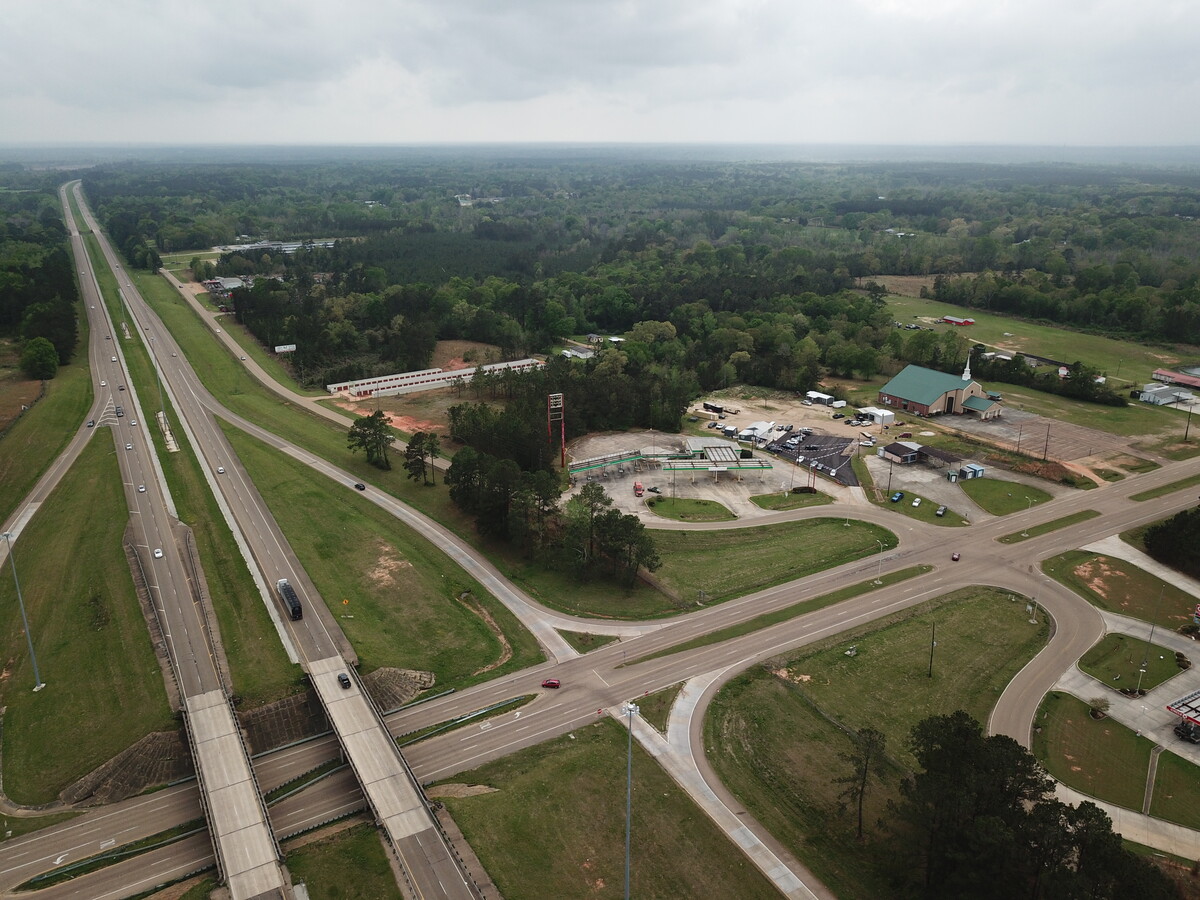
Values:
[(967, 370)]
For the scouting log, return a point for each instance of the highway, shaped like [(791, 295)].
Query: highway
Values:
[(599, 681)]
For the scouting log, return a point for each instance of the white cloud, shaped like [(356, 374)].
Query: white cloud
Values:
[(1078, 71)]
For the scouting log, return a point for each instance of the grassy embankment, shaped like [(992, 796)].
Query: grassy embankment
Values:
[(775, 739), (104, 689), (395, 594), (349, 865)]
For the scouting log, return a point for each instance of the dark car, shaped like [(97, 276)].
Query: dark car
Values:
[(359, 486), (1188, 731), (898, 496), (654, 490), (91, 423), (551, 683), (839, 415), (941, 511), (954, 556), (343, 680), (811, 447)]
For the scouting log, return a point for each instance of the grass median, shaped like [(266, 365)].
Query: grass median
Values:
[(1000, 498), (104, 689), (350, 864), (776, 733), (797, 609), (1047, 527), (1165, 489)]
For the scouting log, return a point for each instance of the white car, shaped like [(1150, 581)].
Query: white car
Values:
[(220, 470), (141, 489), (114, 359), (104, 384), (134, 422), (916, 501), (129, 446), (157, 553)]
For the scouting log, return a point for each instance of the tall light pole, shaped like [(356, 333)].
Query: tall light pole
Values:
[(1025, 533), (879, 565), (38, 684), (631, 710)]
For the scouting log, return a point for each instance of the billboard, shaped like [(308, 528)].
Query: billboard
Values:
[(286, 348)]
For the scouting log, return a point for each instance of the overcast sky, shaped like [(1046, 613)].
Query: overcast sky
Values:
[(1044, 72)]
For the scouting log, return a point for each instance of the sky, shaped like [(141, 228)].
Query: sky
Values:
[(918, 72)]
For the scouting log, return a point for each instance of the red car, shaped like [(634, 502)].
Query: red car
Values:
[(551, 683)]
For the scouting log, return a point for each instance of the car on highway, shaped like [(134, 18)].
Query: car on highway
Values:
[(91, 423), (551, 683), (129, 446), (114, 359), (141, 489), (898, 496), (120, 387), (103, 384), (954, 557), (359, 486), (344, 680), (133, 421), (157, 553), (245, 357), (220, 470)]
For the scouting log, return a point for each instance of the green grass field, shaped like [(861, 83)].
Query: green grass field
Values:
[(1000, 497), (104, 689), (348, 865), (656, 708), (1119, 359), (1176, 791), (37, 438), (395, 594), (534, 843), (583, 642), (775, 741), (1120, 587), (1101, 758)]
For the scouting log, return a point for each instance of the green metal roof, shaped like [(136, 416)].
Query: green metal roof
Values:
[(979, 404), (921, 385)]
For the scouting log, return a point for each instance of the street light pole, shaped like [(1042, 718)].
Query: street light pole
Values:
[(38, 684), (879, 565), (630, 710)]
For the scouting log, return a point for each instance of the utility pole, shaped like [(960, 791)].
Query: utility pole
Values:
[(630, 710), (38, 684), (932, 644), (1046, 451)]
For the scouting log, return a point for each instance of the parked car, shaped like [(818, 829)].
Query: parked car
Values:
[(904, 434), (954, 556), (839, 415), (867, 443), (551, 683), (941, 511), (1188, 731), (916, 501), (898, 496)]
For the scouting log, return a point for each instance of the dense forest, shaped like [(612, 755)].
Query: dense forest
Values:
[(38, 289), (715, 272)]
